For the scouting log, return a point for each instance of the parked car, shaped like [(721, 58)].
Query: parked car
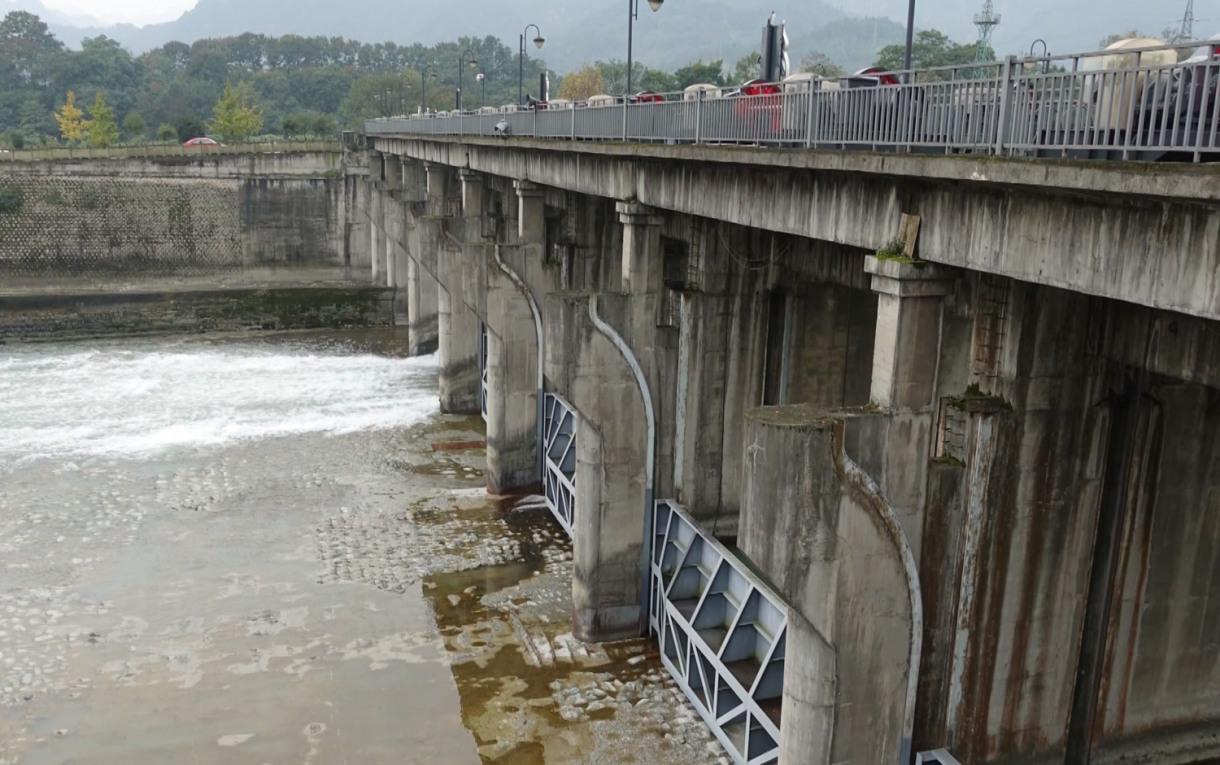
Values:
[(201, 141)]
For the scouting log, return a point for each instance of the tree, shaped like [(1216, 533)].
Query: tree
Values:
[(133, 125), (584, 82), (747, 68), (821, 65), (324, 125), (101, 126), (70, 119), (234, 116), (699, 73), (189, 127), (930, 48), (16, 139), (166, 132)]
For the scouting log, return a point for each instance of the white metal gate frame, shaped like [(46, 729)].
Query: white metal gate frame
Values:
[(483, 370), (559, 453), (722, 633)]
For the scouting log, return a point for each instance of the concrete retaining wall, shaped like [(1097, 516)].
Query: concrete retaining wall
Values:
[(42, 317)]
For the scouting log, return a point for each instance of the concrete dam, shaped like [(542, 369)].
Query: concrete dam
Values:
[(887, 457)]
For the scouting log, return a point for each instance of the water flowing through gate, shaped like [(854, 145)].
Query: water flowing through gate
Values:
[(559, 469), (722, 633)]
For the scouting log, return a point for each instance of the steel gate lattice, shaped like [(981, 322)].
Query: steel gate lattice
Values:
[(722, 633), (559, 449), (483, 370)]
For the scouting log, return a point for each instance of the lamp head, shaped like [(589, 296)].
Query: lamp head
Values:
[(538, 41), (655, 5)]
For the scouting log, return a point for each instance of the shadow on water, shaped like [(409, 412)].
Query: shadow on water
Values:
[(483, 681)]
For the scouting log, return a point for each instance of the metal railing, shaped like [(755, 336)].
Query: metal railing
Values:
[(559, 451), (722, 633), (167, 150), (1139, 103), (483, 370)]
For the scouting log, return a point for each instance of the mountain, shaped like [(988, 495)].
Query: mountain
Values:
[(681, 32)]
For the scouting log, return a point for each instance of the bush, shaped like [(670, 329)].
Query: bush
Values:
[(166, 132), (16, 139), (10, 199), (189, 127)]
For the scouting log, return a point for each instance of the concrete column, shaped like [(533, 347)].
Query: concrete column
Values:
[(906, 362), (400, 259), (437, 177), (472, 195), (817, 527), (613, 465), (512, 362), (906, 351), (531, 213), (422, 297), (643, 272), (376, 230), (458, 351), (395, 223)]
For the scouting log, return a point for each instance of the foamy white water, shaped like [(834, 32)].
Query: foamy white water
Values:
[(142, 399)]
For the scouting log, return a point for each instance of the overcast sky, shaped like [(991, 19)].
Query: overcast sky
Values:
[(116, 11)]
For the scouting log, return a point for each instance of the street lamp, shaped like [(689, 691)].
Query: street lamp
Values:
[(429, 71), (538, 41), (482, 78), (473, 63), (906, 57), (633, 13)]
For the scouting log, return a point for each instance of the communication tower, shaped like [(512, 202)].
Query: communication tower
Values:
[(986, 22), (1186, 32)]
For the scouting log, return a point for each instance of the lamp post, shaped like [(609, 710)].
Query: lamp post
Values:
[(473, 63), (633, 13), (538, 41), (429, 71), (906, 57), (482, 78)]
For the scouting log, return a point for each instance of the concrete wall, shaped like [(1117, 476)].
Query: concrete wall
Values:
[(59, 316), (91, 224)]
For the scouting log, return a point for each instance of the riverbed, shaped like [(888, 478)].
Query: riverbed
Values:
[(275, 550)]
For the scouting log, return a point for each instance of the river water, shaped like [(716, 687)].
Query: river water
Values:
[(138, 400), (275, 551), (164, 508)]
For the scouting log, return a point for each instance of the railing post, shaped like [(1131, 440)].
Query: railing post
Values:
[(626, 101), (809, 118), (535, 121), (573, 110), (1001, 130), (699, 118)]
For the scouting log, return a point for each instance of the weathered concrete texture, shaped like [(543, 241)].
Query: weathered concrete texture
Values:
[(1103, 231), (512, 385), (458, 354), (72, 228), (50, 316), (422, 319), (321, 160), (611, 477), (824, 535)]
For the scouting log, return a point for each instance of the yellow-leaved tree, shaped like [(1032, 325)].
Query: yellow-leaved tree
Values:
[(71, 120), (584, 82), (235, 116)]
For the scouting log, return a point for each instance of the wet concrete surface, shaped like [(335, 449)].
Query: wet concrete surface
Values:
[(307, 599)]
